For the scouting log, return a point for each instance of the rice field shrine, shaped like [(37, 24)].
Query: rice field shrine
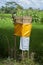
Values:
[(22, 28)]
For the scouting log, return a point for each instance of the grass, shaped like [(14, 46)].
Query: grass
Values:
[(13, 62), (7, 30), (37, 37), (36, 43)]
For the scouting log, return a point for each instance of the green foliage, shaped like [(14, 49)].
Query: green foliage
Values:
[(14, 8), (10, 7), (36, 15)]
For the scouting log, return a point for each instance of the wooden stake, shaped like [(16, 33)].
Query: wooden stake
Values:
[(28, 54), (22, 55), (25, 54), (15, 46)]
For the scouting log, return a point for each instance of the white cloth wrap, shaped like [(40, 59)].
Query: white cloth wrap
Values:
[(24, 43)]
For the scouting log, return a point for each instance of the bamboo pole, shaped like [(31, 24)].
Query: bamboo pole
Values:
[(22, 55), (14, 46)]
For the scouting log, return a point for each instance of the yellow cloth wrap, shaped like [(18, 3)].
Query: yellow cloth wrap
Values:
[(23, 30)]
